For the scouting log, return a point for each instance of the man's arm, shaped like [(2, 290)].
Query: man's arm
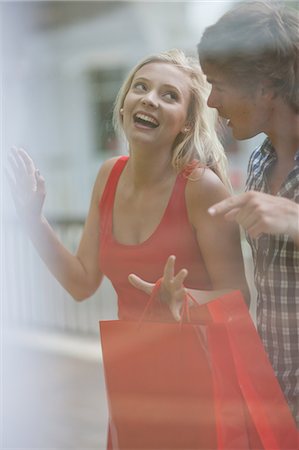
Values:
[(261, 213)]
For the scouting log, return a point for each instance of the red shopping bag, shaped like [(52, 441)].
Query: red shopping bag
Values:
[(265, 402), (160, 388), (188, 386)]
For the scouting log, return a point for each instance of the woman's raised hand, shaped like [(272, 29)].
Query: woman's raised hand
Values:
[(26, 184), (171, 291)]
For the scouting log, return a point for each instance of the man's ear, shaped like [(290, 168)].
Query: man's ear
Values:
[(266, 90)]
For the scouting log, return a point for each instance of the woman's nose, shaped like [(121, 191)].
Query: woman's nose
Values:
[(150, 99)]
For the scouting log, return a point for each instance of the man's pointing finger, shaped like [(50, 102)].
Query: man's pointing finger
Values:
[(227, 205)]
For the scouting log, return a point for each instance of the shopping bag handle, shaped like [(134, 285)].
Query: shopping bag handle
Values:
[(185, 306), (151, 299)]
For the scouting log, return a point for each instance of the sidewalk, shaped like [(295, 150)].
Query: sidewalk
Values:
[(53, 393)]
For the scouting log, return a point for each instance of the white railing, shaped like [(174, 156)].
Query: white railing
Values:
[(33, 298)]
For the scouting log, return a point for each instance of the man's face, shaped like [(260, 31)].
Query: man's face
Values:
[(245, 110)]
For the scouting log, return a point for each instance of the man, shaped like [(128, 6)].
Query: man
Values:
[(251, 59)]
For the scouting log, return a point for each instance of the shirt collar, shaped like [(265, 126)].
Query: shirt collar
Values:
[(267, 149)]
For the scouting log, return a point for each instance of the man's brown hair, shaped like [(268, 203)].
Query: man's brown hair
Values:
[(256, 41)]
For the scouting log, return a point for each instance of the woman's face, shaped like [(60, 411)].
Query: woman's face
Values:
[(156, 106)]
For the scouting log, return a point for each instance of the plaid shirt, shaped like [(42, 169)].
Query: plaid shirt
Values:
[(276, 273)]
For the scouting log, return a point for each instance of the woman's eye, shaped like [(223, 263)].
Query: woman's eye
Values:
[(171, 95), (140, 86)]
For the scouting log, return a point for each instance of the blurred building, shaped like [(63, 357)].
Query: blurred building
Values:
[(63, 65)]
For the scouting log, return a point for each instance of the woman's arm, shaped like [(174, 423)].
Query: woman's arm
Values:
[(79, 274), (218, 239)]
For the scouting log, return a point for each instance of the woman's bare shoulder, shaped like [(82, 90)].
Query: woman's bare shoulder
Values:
[(103, 175), (205, 185)]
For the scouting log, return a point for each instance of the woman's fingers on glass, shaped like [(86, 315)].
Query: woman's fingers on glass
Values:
[(27, 161), (23, 169), (13, 162), (17, 161), (20, 160)]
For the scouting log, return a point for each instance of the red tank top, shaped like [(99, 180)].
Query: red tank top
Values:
[(173, 236)]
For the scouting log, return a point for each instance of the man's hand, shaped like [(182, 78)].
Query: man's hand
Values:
[(261, 213)]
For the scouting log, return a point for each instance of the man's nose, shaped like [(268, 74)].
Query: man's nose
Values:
[(213, 100)]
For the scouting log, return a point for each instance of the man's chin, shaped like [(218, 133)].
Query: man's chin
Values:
[(239, 136)]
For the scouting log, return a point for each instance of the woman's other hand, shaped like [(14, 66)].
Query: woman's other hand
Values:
[(171, 291)]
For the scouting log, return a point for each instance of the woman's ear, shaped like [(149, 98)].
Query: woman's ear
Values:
[(186, 128)]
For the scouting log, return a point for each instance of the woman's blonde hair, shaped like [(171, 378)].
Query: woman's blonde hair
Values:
[(200, 143)]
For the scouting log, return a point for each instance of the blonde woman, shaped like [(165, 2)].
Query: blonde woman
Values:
[(150, 204)]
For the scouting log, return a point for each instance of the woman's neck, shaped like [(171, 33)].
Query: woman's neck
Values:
[(147, 167)]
